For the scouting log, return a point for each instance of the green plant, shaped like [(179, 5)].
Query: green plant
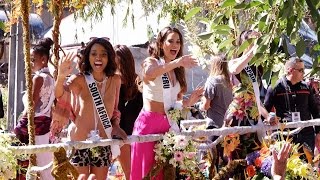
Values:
[(3, 121)]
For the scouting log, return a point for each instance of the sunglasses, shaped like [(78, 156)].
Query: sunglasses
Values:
[(300, 70)]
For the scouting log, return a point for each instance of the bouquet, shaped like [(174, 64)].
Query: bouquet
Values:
[(259, 164), (176, 153), (175, 112)]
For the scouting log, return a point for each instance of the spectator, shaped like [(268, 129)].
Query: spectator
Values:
[(293, 101), (279, 164)]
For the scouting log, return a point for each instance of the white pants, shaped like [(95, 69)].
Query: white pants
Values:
[(44, 158)]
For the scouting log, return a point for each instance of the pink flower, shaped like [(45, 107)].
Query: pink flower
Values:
[(239, 114), (247, 103), (178, 156), (191, 155)]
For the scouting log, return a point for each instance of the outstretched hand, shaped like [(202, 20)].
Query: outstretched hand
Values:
[(188, 61), (280, 161), (66, 64), (196, 95)]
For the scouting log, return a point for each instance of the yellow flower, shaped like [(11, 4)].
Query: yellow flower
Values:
[(230, 143)]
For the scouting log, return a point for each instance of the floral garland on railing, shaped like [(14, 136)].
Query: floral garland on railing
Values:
[(176, 155)]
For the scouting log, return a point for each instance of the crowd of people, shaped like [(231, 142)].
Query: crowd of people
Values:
[(108, 99)]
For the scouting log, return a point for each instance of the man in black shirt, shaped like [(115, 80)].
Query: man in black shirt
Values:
[(293, 100)]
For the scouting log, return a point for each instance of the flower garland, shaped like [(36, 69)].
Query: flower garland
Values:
[(177, 152)]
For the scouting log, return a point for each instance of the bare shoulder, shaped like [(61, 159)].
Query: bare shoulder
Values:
[(37, 81), (115, 79)]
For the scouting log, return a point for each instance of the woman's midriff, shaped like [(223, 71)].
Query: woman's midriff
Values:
[(153, 106), (80, 129)]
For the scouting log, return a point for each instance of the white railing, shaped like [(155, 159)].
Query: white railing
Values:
[(221, 132)]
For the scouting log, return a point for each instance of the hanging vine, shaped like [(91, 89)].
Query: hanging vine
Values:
[(25, 6), (57, 11)]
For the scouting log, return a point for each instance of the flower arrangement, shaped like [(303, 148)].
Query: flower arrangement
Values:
[(259, 164), (8, 160), (178, 152), (244, 103), (175, 114)]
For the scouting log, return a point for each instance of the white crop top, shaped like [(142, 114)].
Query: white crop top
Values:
[(154, 89), (46, 95)]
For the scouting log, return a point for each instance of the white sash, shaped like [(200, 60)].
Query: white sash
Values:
[(101, 111), (168, 99), (261, 134)]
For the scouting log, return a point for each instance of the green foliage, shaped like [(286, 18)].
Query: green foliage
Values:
[(214, 26), (3, 121)]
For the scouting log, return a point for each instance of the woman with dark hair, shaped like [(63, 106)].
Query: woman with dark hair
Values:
[(92, 96), (130, 99), (43, 97), (246, 108), (164, 84)]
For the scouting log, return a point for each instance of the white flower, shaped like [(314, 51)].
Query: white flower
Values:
[(180, 142)]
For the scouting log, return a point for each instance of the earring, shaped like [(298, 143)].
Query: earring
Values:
[(42, 62)]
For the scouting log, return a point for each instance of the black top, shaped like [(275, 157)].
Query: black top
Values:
[(300, 97), (1, 106), (129, 110)]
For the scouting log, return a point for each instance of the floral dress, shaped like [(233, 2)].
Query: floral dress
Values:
[(242, 111)]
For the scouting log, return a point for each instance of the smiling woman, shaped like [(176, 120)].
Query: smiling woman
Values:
[(164, 84), (87, 95)]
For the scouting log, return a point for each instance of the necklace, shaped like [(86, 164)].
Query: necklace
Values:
[(101, 82)]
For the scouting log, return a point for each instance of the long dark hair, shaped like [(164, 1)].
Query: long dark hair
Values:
[(156, 51), (111, 67), (126, 66)]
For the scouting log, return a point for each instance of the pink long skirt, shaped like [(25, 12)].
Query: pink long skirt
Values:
[(142, 154)]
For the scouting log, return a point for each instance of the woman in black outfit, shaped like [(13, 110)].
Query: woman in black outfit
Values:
[(130, 100)]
